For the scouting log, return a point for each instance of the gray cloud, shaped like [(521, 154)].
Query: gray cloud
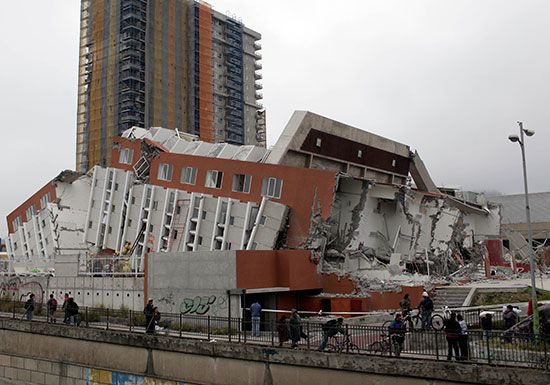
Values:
[(448, 78)]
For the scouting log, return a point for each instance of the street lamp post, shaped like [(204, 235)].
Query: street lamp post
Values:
[(521, 141)]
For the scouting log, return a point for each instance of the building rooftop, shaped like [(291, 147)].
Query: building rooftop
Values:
[(513, 207)]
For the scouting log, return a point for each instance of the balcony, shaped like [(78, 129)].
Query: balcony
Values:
[(258, 66), (257, 76), (258, 95), (258, 86), (257, 46)]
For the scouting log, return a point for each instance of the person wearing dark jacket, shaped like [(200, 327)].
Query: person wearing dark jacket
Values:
[(282, 330), (71, 312), (452, 334), (426, 307), (29, 307), (330, 329), (510, 317), (295, 328), (405, 305), (396, 332), (486, 320), (149, 312)]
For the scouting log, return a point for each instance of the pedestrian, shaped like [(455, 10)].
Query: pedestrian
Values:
[(71, 312), (463, 338), (396, 333), (51, 306), (256, 313), (486, 320), (330, 329), (452, 334), (64, 307), (29, 307), (405, 305), (149, 316), (295, 328), (282, 330), (510, 317), (426, 307)]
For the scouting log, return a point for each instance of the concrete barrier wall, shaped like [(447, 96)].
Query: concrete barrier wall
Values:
[(203, 362)]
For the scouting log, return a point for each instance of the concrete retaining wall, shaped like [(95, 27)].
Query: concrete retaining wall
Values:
[(203, 362)]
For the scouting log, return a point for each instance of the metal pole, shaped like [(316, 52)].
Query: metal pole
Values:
[(532, 263)]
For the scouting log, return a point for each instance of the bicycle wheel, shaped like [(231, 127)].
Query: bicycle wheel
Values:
[(354, 349), (330, 348), (386, 325), (437, 322), (377, 348)]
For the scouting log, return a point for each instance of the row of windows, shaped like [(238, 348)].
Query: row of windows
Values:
[(31, 211), (271, 187)]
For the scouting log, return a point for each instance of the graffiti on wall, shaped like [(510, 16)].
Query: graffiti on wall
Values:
[(107, 377), (14, 287), (203, 305)]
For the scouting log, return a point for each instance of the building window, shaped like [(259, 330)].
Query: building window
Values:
[(93, 203), (272, 187), (126, 156), (133, 200), (90, 224), (116, 186), (241, 183), (16, 223), (214, 179), (129, 223), (263, 218), (44, 200), (318, 142), (165, 172), (393, 163), (113, 207), (30, 212), (155, 205), (359, 154), (110, 230), (189, 175), (43, 223)]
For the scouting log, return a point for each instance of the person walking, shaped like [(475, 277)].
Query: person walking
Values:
[(330, 329), (463, 338), (396, 332), (149, 312), (486, 320), (71, 312), (282, 330), (426, 307), (256, 313), (295, 328), (452, 334), (51, 306), (29, 307)]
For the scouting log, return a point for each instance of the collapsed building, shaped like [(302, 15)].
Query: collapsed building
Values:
[(331, 217)]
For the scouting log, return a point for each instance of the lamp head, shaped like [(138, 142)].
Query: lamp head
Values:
[(513, 138), (529, 132)]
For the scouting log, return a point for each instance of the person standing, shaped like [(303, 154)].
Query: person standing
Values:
[(396, 332), (149, 312), (405, 305), (463, 338), (71, 312), (426, 307), (64, 307), (51, 305), (295, 328), (452, 334), (256, 313), (282, 330), (486, 324), (29, 307)]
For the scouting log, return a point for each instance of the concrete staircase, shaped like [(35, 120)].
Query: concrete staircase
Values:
[(452, 296)]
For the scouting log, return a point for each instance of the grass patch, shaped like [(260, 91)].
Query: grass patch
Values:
[(496, 298)]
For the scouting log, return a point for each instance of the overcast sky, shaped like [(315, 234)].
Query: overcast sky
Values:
[(448, 78)]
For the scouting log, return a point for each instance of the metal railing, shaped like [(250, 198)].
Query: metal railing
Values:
[(494, 347)]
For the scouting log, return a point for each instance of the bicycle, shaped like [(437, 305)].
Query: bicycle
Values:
[(388, 344), (412, 319), (340, 345)]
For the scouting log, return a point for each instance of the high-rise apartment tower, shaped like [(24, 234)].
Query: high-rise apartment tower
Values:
[(168, 63)]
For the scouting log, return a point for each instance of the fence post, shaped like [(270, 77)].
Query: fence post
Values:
[(229, 327), (107, 318), (181, 323), (239, 327), (244, 331), (208, 328), (436, 345), (131, 321), (86, 312), (13, 307), (545, 352), (308, 337), (272, 333)]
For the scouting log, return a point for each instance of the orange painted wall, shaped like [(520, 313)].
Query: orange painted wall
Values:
[(20, 211), (390, 300), (300, 186), (125, 143), (276, 268), (332, 283)]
